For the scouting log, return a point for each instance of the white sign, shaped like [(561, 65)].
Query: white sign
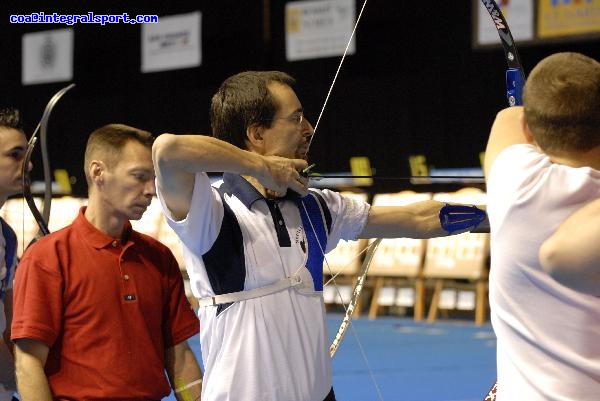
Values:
[(518, 15), (47, 56), (315, 29), (172, 43)]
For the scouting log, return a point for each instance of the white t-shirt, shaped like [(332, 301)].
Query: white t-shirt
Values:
[(548, 335), (275, 347)]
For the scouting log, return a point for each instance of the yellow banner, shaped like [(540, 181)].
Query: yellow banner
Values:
[(559, 18)]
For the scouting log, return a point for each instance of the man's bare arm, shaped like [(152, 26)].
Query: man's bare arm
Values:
[(30, 359), (178, 158), (572, 255), (416, 220), (184, 372), (509, 128)]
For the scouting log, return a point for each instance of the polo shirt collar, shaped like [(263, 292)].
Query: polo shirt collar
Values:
[(91, 234)]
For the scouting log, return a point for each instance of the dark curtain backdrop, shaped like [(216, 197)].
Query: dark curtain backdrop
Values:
[(414, 86)]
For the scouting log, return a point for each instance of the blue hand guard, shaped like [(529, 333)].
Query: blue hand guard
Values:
[(459, 218)]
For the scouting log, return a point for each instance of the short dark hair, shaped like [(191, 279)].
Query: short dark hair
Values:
[(109, 140), (561, 101), (242, 101), (11, 118)]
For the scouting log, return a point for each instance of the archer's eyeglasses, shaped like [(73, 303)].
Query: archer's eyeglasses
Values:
[(296, 118)]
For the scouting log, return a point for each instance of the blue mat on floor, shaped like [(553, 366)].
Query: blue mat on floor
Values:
[(397, 359)]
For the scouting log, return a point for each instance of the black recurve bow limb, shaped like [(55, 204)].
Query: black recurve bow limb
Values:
[(42, 217)]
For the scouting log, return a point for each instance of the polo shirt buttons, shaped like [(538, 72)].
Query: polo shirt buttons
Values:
[(125, 277), (115, 243)]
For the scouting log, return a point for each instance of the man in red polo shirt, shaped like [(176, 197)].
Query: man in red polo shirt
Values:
[(99, 309)]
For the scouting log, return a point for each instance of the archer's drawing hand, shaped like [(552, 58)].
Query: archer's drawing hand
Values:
[(280, 174)]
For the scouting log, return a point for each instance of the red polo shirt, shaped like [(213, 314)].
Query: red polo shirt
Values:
[(107, 310)]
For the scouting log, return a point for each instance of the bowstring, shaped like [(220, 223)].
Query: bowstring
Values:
[(348, 316), (346, 265), (347, 319), (315, 131), (337, 72)]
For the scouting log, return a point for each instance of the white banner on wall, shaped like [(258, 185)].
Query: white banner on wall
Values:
[(47, 56), (518, 14), (172, 43), (315, 29)]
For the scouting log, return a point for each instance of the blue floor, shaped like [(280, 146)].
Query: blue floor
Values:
[(406, 361)]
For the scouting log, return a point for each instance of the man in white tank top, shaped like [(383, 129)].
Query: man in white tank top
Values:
[(542, 163)]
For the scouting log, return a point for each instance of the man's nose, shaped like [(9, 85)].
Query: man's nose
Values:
[(29, 166), (150, 188), (308, 128)]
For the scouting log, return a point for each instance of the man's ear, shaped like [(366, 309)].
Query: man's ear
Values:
[(255, 137), (526, 131), (96, 170)]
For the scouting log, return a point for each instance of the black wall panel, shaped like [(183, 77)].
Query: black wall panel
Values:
[(415, 85)]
